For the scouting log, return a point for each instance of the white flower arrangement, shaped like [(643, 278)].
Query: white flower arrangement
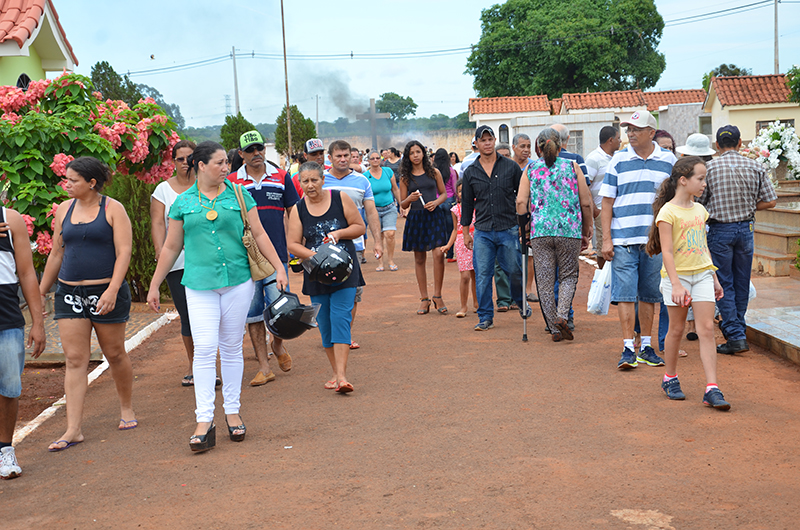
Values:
[(776, 143)]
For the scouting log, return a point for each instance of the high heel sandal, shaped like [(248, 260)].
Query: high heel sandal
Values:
[(236, 437), (441, 310), (206, 441), (427, 309)]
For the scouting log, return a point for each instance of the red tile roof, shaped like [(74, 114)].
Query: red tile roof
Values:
[(751, 89), (673, 97), (555, 106), (19, 19), (508, 105), (604, 100)]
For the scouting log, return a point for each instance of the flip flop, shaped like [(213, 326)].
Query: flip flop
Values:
[(682, 353), (460, 314), (188, 380), (127, 425), (393, 268), (344, 388), (379, 269), (331, 385), (354, 345), (69, 444)]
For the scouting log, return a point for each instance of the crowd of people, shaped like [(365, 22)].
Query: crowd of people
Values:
[(677, 232)]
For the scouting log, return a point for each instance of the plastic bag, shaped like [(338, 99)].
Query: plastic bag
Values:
[(600, 292)]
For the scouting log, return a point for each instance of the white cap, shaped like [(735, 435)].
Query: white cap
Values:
[(697, 145), (641, 119)]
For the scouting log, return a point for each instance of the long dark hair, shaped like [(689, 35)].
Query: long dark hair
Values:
[(548, 143), (90, 168), (684, 167), (405, 163), (203, 153), (441, 161)]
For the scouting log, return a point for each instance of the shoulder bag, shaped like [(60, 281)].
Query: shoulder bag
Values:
[(260, 267)]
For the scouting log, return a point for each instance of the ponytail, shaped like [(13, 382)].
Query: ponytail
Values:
[(548, 144), (684, 167)]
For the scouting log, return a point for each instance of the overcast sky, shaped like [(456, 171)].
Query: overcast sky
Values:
[(126, 34)]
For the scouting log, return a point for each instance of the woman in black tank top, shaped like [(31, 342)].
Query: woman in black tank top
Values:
[(91, 252), (422, 191), (328, 216)]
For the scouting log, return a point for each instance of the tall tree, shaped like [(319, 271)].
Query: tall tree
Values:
[(396, 105), (530, 47), (303, 129), (114, 86), (724, 70), (235, 126), (173, 110)]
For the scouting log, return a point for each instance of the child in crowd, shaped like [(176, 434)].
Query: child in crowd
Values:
[(463, 255), (687, 275)]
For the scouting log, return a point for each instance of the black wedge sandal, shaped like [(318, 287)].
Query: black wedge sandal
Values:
[(236, 437), (206, 441)]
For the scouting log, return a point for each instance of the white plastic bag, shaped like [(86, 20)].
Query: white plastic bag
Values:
[(600, 292)]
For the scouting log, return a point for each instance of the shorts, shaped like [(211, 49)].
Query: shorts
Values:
[(700, 287), (266, 291), (388, 216), (12, 361), (80, 301), (635, 275)]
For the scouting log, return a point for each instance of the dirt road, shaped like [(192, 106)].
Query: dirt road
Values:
[(447, 428)]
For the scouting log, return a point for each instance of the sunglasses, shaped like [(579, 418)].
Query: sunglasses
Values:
[(254, 148)]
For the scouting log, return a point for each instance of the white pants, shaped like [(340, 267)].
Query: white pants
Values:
[(218, 318)]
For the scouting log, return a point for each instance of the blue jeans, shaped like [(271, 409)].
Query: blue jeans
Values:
[(266, 292), (502, 246), (12, 361), (731, 247)]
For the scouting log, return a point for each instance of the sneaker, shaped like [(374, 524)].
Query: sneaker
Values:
[(483, 326), (714, 398), (672, 387), (571, 323), (627, 361), (9, 467), (527, 312), (649, 357)]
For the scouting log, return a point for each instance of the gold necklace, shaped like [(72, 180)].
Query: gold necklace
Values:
[(212, 213)]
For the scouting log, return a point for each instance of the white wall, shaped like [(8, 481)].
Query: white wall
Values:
[(589, 123)]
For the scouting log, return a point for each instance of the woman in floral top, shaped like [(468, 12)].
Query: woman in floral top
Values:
[(555, 193)]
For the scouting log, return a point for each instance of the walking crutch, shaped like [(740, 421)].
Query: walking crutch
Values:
[(524, 238)]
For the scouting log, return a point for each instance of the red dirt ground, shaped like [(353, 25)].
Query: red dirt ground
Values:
[(447, 428)]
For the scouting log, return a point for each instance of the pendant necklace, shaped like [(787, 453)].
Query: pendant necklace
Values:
[(212, 213)]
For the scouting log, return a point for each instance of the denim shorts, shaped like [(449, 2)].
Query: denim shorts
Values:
[(266, 291), (80, 301), (388, 215), (12, 361), (635, 275)]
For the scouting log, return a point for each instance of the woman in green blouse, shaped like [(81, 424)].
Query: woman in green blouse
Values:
[(206, 222)]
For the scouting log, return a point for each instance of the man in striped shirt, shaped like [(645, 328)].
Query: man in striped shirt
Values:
[(629, 188)]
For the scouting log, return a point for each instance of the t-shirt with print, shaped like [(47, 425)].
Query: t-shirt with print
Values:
[(689, 245)]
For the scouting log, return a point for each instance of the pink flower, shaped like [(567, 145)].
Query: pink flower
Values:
[(28, 223), (52, 212), (148, 100), (63, 184), (44, 243), (36, 90), (59, 165), (11, 117), (12, 98)]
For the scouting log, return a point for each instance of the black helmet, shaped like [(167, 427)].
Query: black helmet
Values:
[(287, 318), (330, 265)]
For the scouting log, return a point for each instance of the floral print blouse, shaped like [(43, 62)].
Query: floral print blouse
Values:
[(555, 202)]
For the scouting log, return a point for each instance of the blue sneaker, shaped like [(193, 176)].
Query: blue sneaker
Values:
[(672, 387), (648, 356), (627, 361), (714, 398), (483, 326)]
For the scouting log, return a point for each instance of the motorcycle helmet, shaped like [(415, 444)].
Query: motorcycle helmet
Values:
[(287, 318), (330, 265)]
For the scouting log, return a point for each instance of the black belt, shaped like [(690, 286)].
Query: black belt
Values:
[(715, 222)]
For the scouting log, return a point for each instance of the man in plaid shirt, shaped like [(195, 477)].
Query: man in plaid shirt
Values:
[(736, 187)]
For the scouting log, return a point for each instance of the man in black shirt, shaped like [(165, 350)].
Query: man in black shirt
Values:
[(489, 189)]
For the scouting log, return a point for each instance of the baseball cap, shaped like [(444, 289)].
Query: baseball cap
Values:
[(729, 131), (483, 129), (696, 145), (641, 119), (314, 145), (250, 138)]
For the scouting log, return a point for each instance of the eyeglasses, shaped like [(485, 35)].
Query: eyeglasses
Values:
[(253, 148), (634, 130), (180, 159), (374, 158)]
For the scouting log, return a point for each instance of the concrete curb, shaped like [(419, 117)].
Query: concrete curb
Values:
[(130, 344)]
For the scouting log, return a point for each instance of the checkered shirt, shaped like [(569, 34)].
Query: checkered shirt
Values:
[(735, 184)]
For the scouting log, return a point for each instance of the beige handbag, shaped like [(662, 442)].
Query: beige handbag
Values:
[(260, 267)]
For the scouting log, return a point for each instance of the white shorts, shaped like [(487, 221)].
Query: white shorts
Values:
[(700, 287)]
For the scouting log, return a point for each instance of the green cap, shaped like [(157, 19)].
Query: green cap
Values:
[(250, 138)]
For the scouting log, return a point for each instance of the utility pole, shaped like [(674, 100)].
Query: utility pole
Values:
[(777, 65), (235, 80), (317, 122), (286, 77)]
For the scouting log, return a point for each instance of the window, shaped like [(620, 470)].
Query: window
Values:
[(23, 81), (504, 133), (704, 123), (764, 124), (575, 142)]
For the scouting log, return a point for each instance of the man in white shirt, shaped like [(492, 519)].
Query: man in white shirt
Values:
[(596, 164)]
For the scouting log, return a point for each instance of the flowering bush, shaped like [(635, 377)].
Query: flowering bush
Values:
[(57, 120), (775, 144)]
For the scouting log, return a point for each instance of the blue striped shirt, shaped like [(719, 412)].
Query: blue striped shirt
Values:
[(632, 182)]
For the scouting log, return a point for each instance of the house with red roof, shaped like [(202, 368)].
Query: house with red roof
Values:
[(679, 112), (501, 114), (750, 102), (32, 42)]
